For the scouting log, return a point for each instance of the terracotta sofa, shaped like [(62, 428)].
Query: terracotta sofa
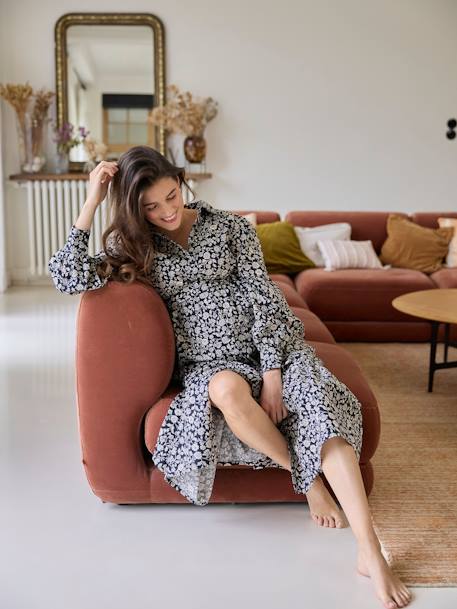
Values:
[(355, 304), (124, 388)]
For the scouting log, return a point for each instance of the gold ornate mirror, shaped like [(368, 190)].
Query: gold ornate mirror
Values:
[(110, 74)]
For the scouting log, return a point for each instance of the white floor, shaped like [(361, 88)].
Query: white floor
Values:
[(62, 548)]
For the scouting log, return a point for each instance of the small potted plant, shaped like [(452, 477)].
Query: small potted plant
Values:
[(66, 139), (184, 114)]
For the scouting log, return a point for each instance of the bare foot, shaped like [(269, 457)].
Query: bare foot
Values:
[(323, 508), (390, 590)]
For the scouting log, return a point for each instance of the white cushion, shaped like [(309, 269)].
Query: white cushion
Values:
[(344, 254), (252, 217), (308, 236), (451, 258)]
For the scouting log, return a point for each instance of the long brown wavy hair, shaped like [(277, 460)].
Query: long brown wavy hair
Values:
[(127, 241)]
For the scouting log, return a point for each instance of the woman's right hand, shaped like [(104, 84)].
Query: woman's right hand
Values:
[(99, 179)]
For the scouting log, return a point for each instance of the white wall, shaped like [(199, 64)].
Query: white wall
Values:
[(4, 278), (323, 105)]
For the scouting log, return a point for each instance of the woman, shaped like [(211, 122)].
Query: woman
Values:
[(254, 392)]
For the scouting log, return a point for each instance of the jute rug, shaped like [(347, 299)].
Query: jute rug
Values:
[(414, 499)]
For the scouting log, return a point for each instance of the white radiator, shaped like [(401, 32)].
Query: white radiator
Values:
[(53, 206)]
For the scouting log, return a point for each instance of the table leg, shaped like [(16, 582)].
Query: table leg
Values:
[(431, 370), (446, 340)]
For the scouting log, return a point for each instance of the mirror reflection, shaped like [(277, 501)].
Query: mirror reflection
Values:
[(110, 85)]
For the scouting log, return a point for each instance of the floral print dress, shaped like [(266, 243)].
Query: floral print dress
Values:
[(227, 314)]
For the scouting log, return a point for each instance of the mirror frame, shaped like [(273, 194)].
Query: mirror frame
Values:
[(60, 37)]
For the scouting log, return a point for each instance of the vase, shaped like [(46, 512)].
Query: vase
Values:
[(62, 162), (31, 136), (195, 148), (24, 137), (38, 128)]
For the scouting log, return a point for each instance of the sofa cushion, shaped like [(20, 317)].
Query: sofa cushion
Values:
[(358, 294), (252, 217), (261, 216), (411, 246), (451, 258), (348, 254), (292, 296), (412, 330), (315, 329), (281, 249), (445, 278), (156, 414), (309, 236), (365, 225), (283, 277), (430, 218)]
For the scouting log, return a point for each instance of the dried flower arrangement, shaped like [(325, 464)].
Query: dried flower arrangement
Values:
[(18, 96), (31, 109), (184, 114), (43, 99), (96, 151)]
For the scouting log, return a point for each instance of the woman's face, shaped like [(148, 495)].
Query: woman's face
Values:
[(163, 204)]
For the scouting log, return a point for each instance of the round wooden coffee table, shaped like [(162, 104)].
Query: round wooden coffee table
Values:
[(438, 306)]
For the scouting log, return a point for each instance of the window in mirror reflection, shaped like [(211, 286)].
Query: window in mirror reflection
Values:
[(125, 123)]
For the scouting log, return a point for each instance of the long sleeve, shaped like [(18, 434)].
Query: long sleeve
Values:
[(276, 330), (72, 269)]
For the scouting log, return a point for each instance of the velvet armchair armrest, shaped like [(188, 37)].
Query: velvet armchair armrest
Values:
[(125, 353)]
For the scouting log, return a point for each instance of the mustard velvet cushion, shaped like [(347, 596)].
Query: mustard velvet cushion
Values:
[(411, 246), (281, 248)]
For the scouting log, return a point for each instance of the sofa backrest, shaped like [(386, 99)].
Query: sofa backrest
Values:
[(430, 219), (366, 225), (261, 216)]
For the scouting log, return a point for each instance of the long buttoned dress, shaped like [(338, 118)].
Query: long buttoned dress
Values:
[(227, 314)]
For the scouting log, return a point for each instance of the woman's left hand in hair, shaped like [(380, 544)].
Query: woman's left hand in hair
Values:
[(271, 398)]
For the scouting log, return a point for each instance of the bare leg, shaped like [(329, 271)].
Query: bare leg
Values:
[(230, 393), (246, 418), (341, 468)]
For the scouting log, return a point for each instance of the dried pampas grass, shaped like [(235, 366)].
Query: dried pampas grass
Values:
[(25, 101)]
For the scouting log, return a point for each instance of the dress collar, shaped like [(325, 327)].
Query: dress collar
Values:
[(202, 207)]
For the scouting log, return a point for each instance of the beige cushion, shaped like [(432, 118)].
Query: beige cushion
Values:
[(415, 247), (451, 258), (348, 255)]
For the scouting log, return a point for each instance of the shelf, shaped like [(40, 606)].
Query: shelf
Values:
[(24, 177), (32, 177)]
